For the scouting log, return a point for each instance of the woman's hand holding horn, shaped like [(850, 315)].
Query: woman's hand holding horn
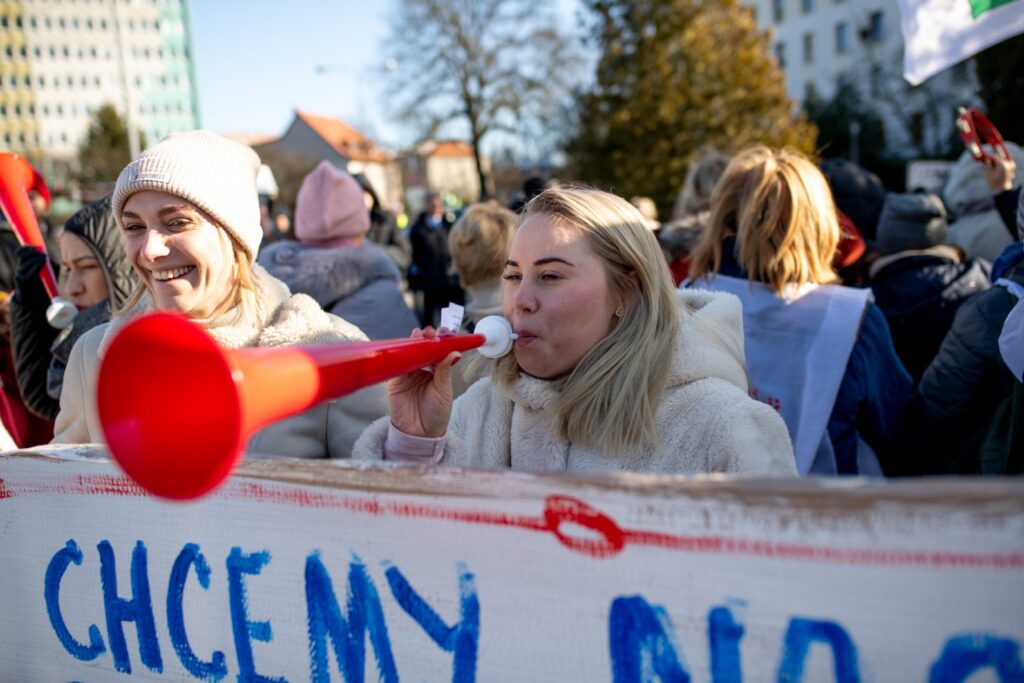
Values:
[(420, 403)]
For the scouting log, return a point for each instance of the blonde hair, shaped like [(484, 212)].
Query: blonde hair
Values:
[(779, 207), (610, 399), (243, 292), (479, 243)]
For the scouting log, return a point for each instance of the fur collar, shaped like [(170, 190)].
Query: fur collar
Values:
[(328, 275)]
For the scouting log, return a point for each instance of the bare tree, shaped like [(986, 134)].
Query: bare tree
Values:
[(494, 65)]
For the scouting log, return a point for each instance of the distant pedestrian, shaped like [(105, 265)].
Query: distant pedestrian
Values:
[(431, 271)]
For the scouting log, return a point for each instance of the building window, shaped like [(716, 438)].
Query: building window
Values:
[(877, 80), (74, 23), (3, 21), (23, 51), (806, 6), (53, 51), (780, 54), (9, 51), (38, 51), (32, 22), (66, 51), (778, 11), (808, 48), (47, 23), (876, 27), (61, 23)]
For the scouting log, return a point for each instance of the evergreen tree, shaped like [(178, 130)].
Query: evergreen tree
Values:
[(1001, 80), (105, 151), (674, 76)]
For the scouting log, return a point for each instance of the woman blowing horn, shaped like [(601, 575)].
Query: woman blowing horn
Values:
[(612, 370), (189, 214)]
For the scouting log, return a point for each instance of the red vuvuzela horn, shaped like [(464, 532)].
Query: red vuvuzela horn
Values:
[(185, 446), (17, 178), (975, 130)]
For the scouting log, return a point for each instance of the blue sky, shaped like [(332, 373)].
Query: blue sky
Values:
[(256, 62)]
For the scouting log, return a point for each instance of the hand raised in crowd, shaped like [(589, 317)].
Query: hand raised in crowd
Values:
[(420, 403), (999, 173)]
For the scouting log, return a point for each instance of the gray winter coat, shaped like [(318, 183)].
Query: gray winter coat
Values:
[(359, 284)]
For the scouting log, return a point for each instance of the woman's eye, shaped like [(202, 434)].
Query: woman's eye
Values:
[(512, 277), (132, 227), (550, 277)]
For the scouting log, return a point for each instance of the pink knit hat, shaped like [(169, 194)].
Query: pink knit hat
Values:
[(330, 211)]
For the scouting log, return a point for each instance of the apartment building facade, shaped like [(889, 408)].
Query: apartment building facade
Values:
[(820, 42), (60, 60)]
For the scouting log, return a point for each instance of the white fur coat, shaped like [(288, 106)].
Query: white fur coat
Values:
[(706, 421), (278, 318)]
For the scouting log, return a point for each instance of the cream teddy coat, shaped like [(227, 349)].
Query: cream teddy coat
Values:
[(278, 318), (706, 421)]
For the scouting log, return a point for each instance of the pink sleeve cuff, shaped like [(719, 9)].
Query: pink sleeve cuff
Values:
[(421, 450)]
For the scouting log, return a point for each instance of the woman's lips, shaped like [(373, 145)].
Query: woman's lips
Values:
[(524, 338)]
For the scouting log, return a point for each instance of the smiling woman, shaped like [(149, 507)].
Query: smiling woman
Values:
[(189, 214), (612, 370)]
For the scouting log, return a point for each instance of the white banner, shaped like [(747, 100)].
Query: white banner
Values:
[(326, 571), (939, 33)]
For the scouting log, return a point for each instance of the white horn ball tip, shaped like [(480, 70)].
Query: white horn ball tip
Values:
[(60, 313), (499, 335)]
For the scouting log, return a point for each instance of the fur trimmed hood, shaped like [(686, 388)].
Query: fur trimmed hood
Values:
[(328, 275)]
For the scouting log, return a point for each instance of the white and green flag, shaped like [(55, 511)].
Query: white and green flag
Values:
[(940, 33)]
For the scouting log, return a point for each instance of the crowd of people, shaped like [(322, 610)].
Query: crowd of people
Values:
[(789, 319)]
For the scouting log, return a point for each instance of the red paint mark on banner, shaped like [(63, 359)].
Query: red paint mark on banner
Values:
[(562, 517)]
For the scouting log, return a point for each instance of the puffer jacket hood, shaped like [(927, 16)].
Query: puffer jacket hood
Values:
[(328, 275), (96, 226)]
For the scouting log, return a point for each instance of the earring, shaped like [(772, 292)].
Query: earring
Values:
[(619, 312)]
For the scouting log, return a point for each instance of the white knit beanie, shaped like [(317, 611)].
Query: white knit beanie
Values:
[(215, 174)]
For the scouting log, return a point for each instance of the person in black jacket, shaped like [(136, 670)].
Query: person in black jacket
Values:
[(431, 270), (919, 282), (95, 276), (947, 428), (384, 230)]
